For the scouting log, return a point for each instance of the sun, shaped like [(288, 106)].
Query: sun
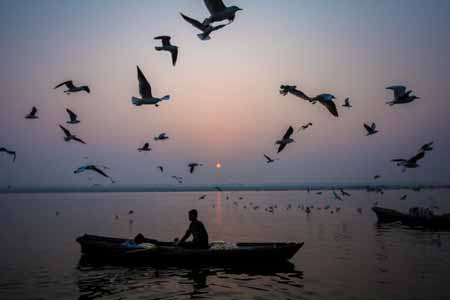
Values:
[(218, 165)]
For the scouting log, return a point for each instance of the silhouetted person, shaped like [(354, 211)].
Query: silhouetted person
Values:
[(198, 232)]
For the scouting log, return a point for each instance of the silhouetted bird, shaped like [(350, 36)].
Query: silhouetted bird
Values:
[(206, 29), (161, 168), (427, 147), (371, 130), (73, 117), (376, 176), (403, 197), (401, 96), (91, 168), (130, 212), (202, 197), (409, 163), (344, 193), (145, 148), (269, 159), (193, 166), (292, 89), (327, 101), (347, 103), (69, 136), (32, 114), (219, 12), (145, 90), (304, 127), (161, 137), (71, 88), (167, 46), (285, 140), (13, 153)]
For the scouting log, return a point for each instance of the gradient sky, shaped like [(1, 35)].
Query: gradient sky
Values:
[(225, 104)]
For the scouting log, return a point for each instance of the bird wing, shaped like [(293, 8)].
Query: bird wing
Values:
[(191, 169), (72, 115), (281, 147), (331, 107), (66, 132), (194, 22), (95, 169), (300, 94), (68, 84), (367, 127), (267, 157), (33, 111), (288, 133), (165, 39), (174, 56), (373, 126), (399, 90), (417, 157), (347, 101), (398, 160), (144, 87), (214, 6), (79, 140)]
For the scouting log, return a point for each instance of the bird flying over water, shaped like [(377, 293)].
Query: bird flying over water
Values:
[(145, 90), (13, 153), (32, 114), (371, 130), (161, 137), (69, 136), (73, 117), (92, 168), (145, 147), (193, 166), (409, 163), (167, 46), (401, 96), (71, 88), (347, 103), (206, 29), (285, 140), (269, 159), (219, 12)]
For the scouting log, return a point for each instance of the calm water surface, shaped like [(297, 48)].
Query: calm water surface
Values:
[(345, 256)]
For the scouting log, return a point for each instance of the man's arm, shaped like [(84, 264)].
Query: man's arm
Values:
[(186, 236)]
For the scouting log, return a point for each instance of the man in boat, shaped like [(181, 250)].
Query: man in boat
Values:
[(198, 232)]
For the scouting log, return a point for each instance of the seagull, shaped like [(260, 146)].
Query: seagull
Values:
[(69, 136), (401, 96), (371, 130), (71, 88), (304, 127), (285, 140), (161, 137), (92, 168), (192, 167), (292, 89), (145, 90), (427, 147), (376, 176), (206, 30), (146, 147), (344, 193), (167, 46), (202, 197), (219, 12), (409, 163), (13, 153), (404, 197), (270, 160), (161, 168), (73, 117), (327, 101), (130, 212), (32, 114), (347, 103), (336, 196)]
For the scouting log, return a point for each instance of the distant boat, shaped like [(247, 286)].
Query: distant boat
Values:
[(436, 222)]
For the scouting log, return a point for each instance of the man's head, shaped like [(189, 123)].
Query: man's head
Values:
[(193, 215)]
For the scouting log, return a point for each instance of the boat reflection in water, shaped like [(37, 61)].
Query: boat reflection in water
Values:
[(118, 281)]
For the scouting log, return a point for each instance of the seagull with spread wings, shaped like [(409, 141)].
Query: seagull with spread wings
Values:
[(371, 130), (93, 168), (205, 29), (286, 140), (401, 96), (327, 101), (410, 163), (71, 88), (69, 136), (10, 152), (193, 166), (167, 46), (161, 137), (32, 114), (219, 12), (269, 159), (73, 117), (347, 103), (145, 148), (292, 89), (145, 90)]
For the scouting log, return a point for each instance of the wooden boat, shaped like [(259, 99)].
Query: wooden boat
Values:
[(108, 248), (435, 222)]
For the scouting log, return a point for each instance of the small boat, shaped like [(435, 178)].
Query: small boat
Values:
[(116, 249), (435, 222)]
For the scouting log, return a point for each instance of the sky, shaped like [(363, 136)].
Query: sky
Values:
[(225, 104)]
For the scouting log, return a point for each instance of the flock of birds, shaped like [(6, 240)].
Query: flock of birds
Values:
[(219, 12)]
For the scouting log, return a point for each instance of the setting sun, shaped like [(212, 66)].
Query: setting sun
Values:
[(218, 165)]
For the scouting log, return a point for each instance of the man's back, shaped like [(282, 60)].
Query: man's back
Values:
[(200, 236)]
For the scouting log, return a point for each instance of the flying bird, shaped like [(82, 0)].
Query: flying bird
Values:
[(344, 193), (161, 137), (336, 196), (427, 147), (347, 103), (202, 197), (404, 197), (167, 46), (32, 114), (269, 159), (145, 90), (161, 168), (146, 147), (285, 140), (401, 96), (327, 101), (71, 88), (13, 153), (193, 166), (205, 29), (92, 168), (219, 12), (304, 127), (376, 176), (292, 89), (69, 136), (73, 117), (371, 130), (409, 163)]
